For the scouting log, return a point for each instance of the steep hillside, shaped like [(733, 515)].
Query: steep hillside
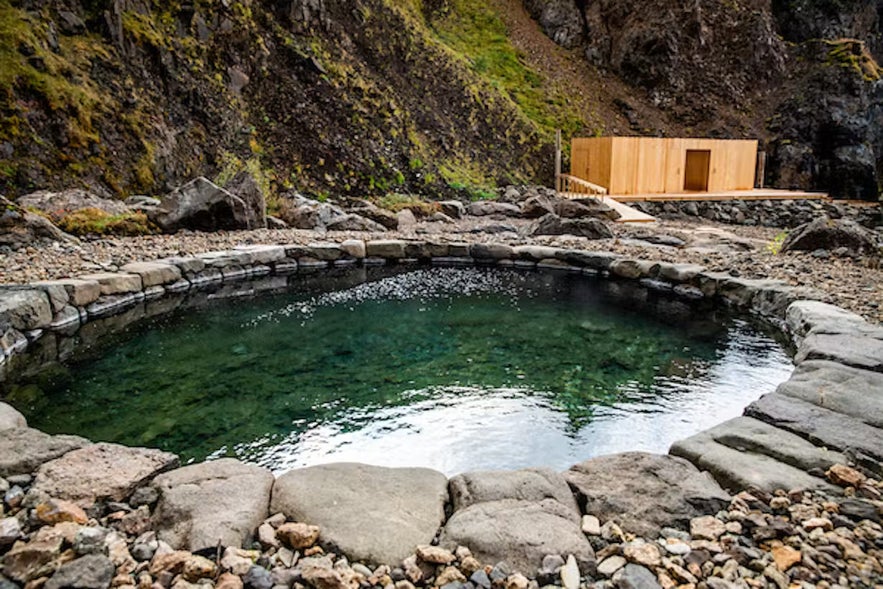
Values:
[(326, 96), (433, 97)]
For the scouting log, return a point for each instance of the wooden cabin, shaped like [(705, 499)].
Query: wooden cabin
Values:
[(652, 165)]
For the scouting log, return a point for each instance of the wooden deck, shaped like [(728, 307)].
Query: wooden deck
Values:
[(756, 194)]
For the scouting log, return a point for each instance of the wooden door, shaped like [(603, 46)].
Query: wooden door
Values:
[(696, 170)]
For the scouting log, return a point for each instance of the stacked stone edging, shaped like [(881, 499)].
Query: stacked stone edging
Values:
[(733, 453)]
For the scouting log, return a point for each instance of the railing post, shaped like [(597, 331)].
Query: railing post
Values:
[(558, 161)]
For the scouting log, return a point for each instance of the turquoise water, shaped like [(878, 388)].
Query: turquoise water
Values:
[(453, 369)]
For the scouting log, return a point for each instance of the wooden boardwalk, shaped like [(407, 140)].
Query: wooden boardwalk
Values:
[(756, 194)]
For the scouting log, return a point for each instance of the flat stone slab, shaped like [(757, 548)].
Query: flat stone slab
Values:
[(531, 484), (217, 501), (843, 389), (802, 317), (101, 471), (80, 292), (859, 348), (23, 450), (153, 273), (737, 470), (24, 309), (369, 513), (820, 426), (10, 417), (644, 493), (112, 283), (519, 533), (751, 435)]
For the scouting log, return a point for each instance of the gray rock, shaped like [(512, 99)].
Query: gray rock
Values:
[(406, 220), (217, 501), (101, 471), (560, 19), (843, 389), (153, 273), (10, 531), (860, 349), (747, 434), (80, 292), (579, 209), (531, 484), (354, 223), (203, 206), (89, 540), (645, 492), (597, 260), (24, 310), (370, 513), (484, 208), (70, 200), (520, 533), (737, 470), (491, 251), (23, 450), (634, 576), (631, 269), (10, 418), (18, 227), (112, 283), (820, 426), (370, 211), (536, 207), (554, 225), (802, 317), (258, 578), (249, 190), (94, 571), (453, 208), (828, 234), (385, 248)]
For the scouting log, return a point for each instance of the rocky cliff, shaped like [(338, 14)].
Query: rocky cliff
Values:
[(361, 97)]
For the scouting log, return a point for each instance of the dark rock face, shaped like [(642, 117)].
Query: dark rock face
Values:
[(561, 19), (554, 225), (828, 234), (247, 188), (204, 206)]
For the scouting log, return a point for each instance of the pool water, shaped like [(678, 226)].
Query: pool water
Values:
[(453, 369)]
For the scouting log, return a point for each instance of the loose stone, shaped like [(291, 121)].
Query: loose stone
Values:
[(570, 576), (435, 554), (298, 535), (590, 525), (707, 527)]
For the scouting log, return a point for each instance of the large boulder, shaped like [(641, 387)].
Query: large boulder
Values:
[(369, 210), (517, 517), (203, 504), (57, 204), (18, 227), (23, 450), (485, 208), (301, 212), (10, 418), (828, 234), (247, 188), (554, 225), (101, 472), (567, 208), (369, 513), (24, 309), (644, 492), (201, 205)]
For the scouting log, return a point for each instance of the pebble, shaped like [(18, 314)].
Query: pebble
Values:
[(435, 555), (590, 525), (298, 535), (570, 576), (610, 565)]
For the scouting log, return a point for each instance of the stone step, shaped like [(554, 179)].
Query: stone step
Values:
[(820, 426), (751, 435), (843, 389), (737, 470)]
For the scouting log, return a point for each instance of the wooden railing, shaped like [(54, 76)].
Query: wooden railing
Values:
[(571, 185)]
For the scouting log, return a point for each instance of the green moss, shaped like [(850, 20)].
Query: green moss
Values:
[(98, 222), (853, 54), (477, 34), (396, 202), (61, 78)]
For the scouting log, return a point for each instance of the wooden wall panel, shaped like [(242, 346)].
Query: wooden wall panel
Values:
[(647, 165), (590, 159)]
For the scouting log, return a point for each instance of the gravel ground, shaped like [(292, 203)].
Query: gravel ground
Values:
[(855, 284)]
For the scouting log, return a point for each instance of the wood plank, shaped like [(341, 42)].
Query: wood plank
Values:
[(756, 194)]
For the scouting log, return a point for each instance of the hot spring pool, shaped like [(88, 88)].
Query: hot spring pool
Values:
[(453, 369)]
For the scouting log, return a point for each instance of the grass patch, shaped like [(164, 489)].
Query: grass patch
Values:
[(854, 54), (775, 246), (475, 32), (97, 222), (396, 202)]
